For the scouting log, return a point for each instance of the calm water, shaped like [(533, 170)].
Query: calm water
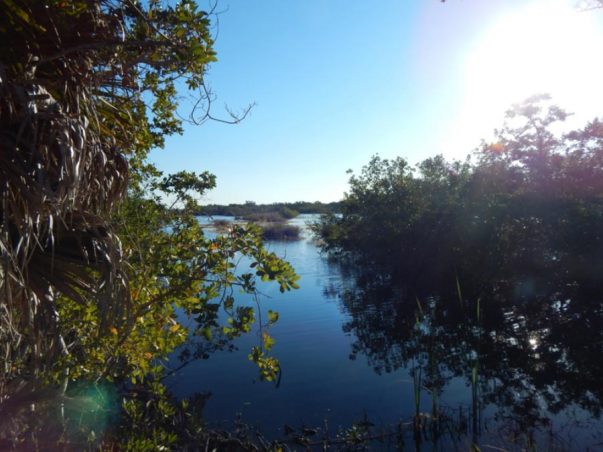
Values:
[(346, 355)]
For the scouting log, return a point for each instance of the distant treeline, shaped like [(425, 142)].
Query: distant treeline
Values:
[(286, 209)]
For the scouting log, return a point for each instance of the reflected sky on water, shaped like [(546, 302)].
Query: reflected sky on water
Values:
[(521, 371)]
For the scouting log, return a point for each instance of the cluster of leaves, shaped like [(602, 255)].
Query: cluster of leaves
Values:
[(88, 87), (182, 286)]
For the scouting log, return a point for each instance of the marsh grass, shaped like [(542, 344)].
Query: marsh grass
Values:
[(280, 231), (221, 225), (265, 217)]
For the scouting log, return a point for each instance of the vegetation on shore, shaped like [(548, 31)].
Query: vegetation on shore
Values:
[(272, 224), (275, 230), (486, 270), (285, 209), (443, 220), (280, 231), (101, 278), (268, 217), (221, 225)]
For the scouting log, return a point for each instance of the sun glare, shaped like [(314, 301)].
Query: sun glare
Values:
[(545, 47)]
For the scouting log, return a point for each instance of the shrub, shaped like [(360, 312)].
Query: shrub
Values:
[(279, 231), (221, 224)]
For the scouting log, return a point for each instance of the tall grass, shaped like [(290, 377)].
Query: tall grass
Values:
[(280, 231)]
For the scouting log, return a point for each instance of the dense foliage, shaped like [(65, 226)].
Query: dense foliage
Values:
[(487, 270), (280, 231), (442, 220), (103, 259)]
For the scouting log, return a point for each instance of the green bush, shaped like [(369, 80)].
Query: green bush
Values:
[(530, 198)]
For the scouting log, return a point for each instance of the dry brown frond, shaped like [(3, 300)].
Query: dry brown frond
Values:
[(60, 177)]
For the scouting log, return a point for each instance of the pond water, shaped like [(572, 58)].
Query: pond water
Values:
[(350, 353)]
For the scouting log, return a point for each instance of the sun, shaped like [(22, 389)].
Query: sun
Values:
[(544, 47)]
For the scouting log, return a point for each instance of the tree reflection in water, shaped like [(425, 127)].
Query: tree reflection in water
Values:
[(526, 340)]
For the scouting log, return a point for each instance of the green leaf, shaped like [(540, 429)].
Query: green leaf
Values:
[(272, 316)]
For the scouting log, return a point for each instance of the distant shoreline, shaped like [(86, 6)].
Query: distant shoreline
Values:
[(286, 209)]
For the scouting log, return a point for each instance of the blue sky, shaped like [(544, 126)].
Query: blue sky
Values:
[(337, 81)]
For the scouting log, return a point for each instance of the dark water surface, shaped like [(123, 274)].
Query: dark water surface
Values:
[(508, 377)]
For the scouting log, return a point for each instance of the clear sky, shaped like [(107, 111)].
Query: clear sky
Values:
[(337, 81)]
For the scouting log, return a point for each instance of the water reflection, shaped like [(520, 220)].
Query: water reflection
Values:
[(502, 352), (526, 340)]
